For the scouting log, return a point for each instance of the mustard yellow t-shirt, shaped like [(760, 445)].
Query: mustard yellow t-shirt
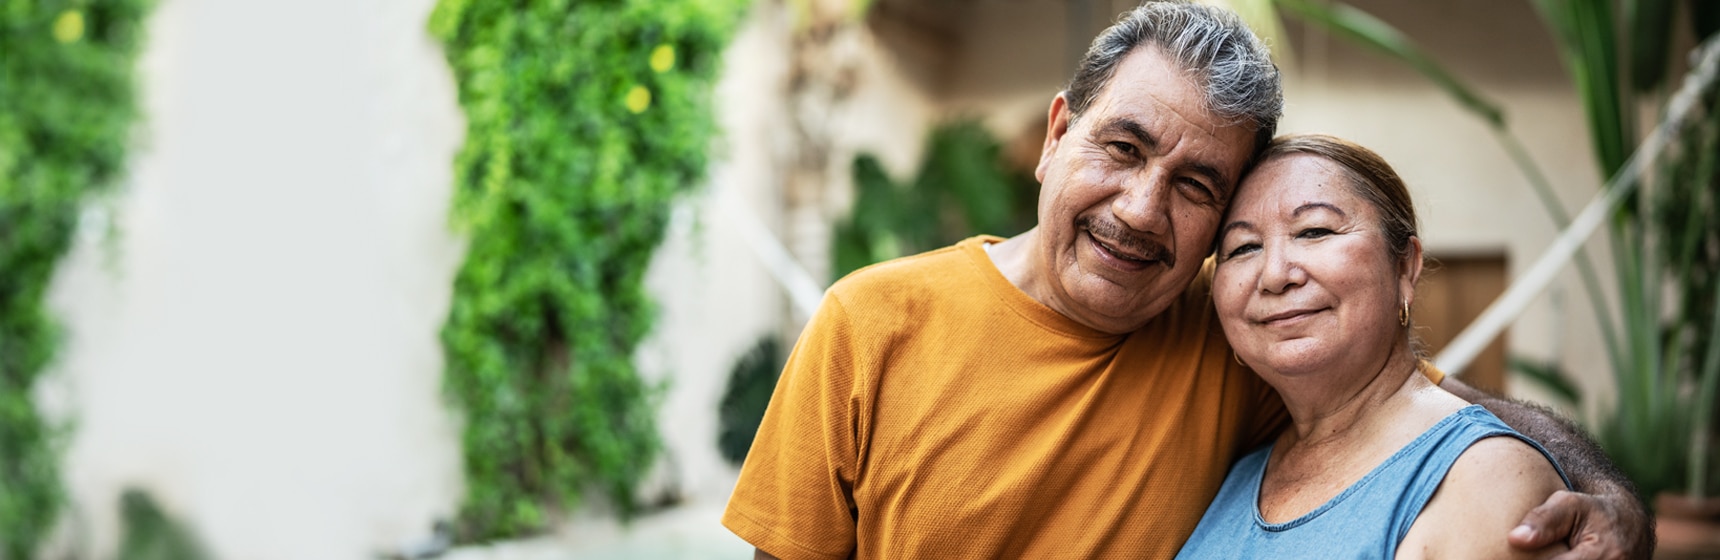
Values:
[(933, 410)]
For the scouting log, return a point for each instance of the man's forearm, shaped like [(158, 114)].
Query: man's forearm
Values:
[(1589, 469)]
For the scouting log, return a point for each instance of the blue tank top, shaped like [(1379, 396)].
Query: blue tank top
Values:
[(1366, 520)]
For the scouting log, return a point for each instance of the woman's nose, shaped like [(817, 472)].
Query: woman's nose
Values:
[(1282, 270)]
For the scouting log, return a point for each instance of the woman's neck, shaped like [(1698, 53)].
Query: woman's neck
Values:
[(1333, 411), (1341, 432)]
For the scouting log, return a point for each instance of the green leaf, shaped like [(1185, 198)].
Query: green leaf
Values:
[(565, 190), (150, 534), (1548, 375), (752, 380), (1704, 18), (67, 105), (963, 187), (1650, 42), (1585, 30)]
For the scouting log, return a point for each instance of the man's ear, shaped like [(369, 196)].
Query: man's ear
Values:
[(1056, 124), (1412, 269)]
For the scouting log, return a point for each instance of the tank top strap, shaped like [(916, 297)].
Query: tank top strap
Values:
[(1430, 457), (1366, 520)]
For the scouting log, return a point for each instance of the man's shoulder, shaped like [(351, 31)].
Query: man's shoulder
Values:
[(928, 272)]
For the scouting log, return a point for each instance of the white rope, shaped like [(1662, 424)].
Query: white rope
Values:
[(803, 292), (1510, 304)]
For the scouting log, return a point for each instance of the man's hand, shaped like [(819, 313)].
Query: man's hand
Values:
[(1595, 527), (1602, 519)]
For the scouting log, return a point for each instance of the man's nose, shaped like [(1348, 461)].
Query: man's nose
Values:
[(1282, 270), (1144, 204)]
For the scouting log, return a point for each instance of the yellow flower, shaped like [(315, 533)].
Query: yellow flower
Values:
[(69, 27), (638, 99), (663, 58)]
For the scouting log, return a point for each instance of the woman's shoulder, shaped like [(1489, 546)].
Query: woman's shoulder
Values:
[(1490, 462), (1501, 452), (1486, 493)]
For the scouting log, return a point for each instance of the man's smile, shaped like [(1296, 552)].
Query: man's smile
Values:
[(1125, 249)]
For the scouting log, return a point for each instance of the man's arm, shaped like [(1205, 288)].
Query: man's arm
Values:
[(794, 495), (1603, 518)]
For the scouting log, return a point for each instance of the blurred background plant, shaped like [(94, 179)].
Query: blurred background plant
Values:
[(751, 383), (1663, 341), (150, 534), (67, 105), (964, 187), (585, 121)]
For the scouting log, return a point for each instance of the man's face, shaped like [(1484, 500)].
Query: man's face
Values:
[(1132, 194)]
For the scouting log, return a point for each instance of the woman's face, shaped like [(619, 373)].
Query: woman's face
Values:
[(1305, 280)]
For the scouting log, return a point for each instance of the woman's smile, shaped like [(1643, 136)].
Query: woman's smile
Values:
[(1291, 317)]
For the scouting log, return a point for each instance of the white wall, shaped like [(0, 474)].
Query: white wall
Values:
[(262, 353)]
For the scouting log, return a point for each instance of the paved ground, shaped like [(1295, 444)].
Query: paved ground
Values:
[(689, 532)]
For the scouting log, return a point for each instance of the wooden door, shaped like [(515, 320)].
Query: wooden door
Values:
[(1453, 292)]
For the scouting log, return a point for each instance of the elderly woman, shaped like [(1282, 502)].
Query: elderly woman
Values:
[(1316, 270)]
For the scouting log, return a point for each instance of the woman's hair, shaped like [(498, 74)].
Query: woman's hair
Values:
[(1370, 178)]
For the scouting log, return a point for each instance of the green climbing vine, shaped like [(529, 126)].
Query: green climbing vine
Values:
[(67, 103), (585, 120)]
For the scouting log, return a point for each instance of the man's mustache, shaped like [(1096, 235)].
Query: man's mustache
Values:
[(1128, 240)]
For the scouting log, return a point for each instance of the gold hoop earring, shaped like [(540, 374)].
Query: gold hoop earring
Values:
[(1237, 358), (1403, 314)]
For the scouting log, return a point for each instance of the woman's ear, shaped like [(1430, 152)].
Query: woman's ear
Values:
[(1411, 266)]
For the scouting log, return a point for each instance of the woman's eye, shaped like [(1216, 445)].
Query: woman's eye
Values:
[(1314, 233), (1240, 250)]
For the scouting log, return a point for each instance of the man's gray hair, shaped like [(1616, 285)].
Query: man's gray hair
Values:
[(1209, 42)]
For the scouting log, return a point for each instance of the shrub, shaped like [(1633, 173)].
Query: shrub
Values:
[(67, 103), (585, 120)]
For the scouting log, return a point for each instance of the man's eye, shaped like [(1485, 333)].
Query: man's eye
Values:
[(1124, 148), (1314, 233), (1200, 189)]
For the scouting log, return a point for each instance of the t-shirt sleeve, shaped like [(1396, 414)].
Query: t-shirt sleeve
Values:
[(1432, 372), (795, 498)]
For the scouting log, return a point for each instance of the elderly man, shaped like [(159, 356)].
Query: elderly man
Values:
[(1067, 393)]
